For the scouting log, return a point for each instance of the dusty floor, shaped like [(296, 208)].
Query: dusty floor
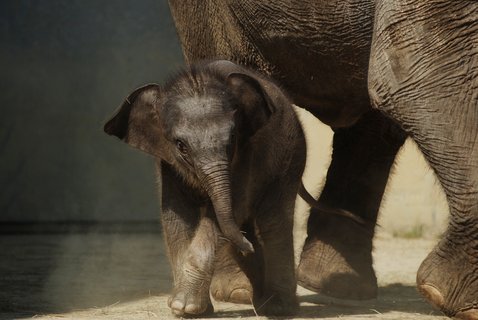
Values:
[(126, 276)]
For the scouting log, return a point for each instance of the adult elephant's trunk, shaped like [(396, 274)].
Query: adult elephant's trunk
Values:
[(216, 180)]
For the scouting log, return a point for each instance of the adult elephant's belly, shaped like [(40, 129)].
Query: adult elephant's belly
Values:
[(317, 50), (332, 90)]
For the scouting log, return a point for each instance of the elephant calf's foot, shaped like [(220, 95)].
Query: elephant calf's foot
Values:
[(448, 279), (276, 304), (186, 304), (339, 264), (231, 285)]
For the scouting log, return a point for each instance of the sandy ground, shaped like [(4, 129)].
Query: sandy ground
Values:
[(126, 276)]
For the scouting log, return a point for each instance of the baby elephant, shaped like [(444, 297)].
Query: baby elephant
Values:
[(230, 153)]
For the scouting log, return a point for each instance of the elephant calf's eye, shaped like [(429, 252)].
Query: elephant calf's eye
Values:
[(181, 147)]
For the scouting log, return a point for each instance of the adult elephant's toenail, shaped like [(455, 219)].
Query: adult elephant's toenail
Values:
[(471, 314), (432, 295)]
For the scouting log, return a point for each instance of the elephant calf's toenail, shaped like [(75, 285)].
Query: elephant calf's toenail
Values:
[(192, 309), (177, 307), (242, 296)]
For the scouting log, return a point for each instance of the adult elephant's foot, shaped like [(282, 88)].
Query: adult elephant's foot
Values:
[(448, 279), (337, 259), (229, 282)]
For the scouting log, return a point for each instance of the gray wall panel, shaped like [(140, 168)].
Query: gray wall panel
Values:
[(66, 66)]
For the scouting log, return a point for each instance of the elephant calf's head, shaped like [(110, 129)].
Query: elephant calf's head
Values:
[(196, 122)]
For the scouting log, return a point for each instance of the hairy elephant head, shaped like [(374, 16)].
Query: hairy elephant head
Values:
[(196, 123)]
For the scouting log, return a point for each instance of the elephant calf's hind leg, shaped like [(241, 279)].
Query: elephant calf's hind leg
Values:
[(229, 282)]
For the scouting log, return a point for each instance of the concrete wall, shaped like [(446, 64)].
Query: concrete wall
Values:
[(66, 66)]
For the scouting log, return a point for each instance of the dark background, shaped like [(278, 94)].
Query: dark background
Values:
[(66, 65)]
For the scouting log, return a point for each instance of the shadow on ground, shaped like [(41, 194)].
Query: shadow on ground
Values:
[(58, 273), (392, 298)]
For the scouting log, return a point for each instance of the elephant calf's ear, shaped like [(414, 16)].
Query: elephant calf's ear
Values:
[(137, 120), (253, 100)]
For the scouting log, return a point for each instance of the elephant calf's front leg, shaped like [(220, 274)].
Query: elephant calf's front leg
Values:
[(191, 238), (193, 271), (275, 289)]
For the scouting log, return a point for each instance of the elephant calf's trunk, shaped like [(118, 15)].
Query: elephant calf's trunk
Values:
[(218, 186)]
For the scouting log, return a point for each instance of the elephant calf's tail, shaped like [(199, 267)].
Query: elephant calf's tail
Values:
[(304, 194)]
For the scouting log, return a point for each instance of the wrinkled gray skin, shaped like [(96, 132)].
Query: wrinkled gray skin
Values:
[(229, 149), (376, 72)]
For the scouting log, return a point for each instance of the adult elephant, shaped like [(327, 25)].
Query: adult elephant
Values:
[(376, 72)]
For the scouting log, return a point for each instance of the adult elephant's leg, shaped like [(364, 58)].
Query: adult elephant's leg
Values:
[(191, 237), (337, 256), (424, 73)]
